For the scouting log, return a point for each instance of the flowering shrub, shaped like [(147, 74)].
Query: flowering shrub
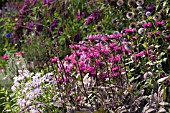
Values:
[(95, 56)]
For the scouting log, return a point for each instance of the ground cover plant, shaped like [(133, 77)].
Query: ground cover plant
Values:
[(75, 56)]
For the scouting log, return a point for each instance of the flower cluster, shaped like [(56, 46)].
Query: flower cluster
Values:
[(29, 87)]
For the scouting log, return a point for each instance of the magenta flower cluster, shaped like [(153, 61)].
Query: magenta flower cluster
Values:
[(99, 56)]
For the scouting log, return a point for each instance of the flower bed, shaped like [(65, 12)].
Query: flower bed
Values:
[(95, 56)]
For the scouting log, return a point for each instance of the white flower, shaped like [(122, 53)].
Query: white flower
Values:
[(15, 79), (139, 8), (140, 30), (148, 13), (55, 97), (28, 102), (147, 75), (20, 77), (120, 2), (35, 82), (30, 95), (37, 75), (140, 2), (34, 111), (13, 88), (21, 102), (159, 66), (16, 84), (168, 47), (28, 84)]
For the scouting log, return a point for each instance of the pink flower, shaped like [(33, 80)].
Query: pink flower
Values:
[(115, 36), (150, 34), (134, 37), (123, 71), (117, 48), (105, 50), (78, 16), (115, 74), (112, 45), (118, 57), (159, 23), (19, 54), (115, 68), (71, 46), (82, 13), (90, 69), (78, 98), (54, 60), (2, 70), (157, 33), (82, 66), (142, 53), (147, 25), (130, 30), (167, 37), (99, 63), (5, 57)]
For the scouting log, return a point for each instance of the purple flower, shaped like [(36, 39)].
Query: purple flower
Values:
[(159, 23), (39, 28), (47, 2), (24, 7), (60, 30), (95, 17), (54, 24), (27, 2), (29, 26), (65, 15), (0, 11), (150, 7), (89, 20), (33, 3), (8, 35), (167, 37), (77, 37)]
